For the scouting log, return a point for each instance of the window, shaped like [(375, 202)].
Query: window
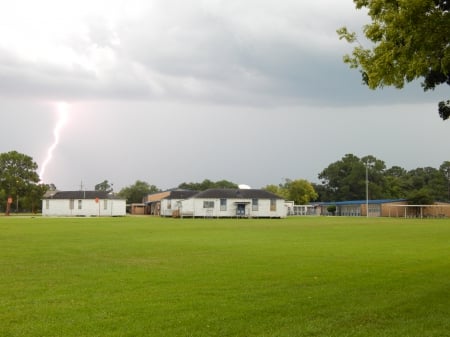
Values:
[(47, 204), (223, 204), (80, 204), (254, 204), (169, 204), (208, 204), (71, 204), (273, 205)]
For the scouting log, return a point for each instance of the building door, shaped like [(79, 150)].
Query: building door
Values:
[(240, 211)]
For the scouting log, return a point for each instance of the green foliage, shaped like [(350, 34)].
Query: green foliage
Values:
[(136, 192), (300, 191), (157, 277), (345, 179), (331, 209), (19, 179), (420, 197), (104, 186), (278, 190), (410, 40), (207, 184)]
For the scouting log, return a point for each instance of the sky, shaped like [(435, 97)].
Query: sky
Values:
[(173, 91)]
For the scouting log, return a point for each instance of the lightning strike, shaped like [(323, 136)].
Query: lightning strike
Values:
[(63, 116)]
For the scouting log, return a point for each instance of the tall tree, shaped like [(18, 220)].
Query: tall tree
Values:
[(136, 192), (429, 181), (410, 40), (396, 182), (345, 179), (18, 176)]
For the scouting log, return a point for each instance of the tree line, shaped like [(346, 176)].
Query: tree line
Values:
[(346, 179)]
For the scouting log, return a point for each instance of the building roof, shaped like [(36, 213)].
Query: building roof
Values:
[(231, 193), (181, 194), (82, 195)]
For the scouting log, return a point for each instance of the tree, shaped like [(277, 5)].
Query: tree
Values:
[(411, 40), (279, 190), (427, 179), (396, 182), (445, 170), (345, 179), (18, 177), (136, 192), (300, 191), (104, 186), (207, 184)]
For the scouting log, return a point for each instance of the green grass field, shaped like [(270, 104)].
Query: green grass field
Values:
[(311, 276)]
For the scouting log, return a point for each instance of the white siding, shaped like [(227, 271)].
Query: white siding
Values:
[(104, 207), (196, 207)]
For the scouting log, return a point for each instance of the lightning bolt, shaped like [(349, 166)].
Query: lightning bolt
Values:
[(63, 116)]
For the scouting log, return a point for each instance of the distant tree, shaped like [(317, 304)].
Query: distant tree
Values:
[(410, 40), (207, 184), (427, 179), (420, 197), (18, 176), (32, 201), (104, 186), (345, 179), (332, 209), (136, 192), (278, 190), (300, 191), (396, 182), (322, 192), (445, 170)]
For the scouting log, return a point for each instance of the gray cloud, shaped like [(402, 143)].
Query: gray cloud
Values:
[(173, 91)]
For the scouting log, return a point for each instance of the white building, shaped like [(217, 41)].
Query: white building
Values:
[(219, 203), (83, 203)]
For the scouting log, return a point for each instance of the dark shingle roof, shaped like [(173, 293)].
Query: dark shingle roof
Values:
[(229, 193), (82, 195), (181, 194)]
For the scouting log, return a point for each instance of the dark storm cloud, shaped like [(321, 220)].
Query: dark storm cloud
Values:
[(191, 53)]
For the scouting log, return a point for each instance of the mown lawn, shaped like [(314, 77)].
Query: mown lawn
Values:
[(309, 276)]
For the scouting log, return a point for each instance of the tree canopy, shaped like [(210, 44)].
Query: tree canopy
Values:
[(300, 191), (104, 186), (19, 178), (410, 40), (136, 192), (207, 184), (345, 179)]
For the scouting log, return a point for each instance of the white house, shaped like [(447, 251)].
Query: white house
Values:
[(248, 203), (83, 203), (172, 202)]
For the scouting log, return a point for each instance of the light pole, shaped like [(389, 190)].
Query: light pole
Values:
[(367, 188)]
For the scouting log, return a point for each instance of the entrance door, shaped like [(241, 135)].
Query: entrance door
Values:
[(240, 211)]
